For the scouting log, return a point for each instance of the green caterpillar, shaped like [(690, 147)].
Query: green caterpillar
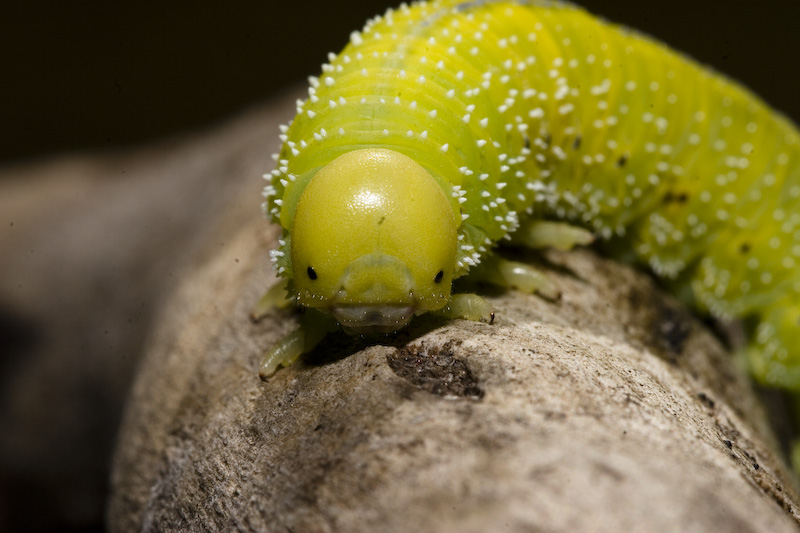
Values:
[(445, 127)]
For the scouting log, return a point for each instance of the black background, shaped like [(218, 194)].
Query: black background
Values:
[(91, 74)]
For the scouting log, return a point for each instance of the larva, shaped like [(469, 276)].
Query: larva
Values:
[(445, 127)]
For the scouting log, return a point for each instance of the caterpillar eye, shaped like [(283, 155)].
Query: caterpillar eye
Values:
[(311, 273), (438, 277)]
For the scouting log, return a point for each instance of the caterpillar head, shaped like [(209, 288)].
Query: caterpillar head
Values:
[(373, 241)]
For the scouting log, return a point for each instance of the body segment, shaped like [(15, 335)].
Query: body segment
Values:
[(520, 111)]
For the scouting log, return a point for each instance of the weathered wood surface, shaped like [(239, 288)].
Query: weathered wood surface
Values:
[(90, 247), (609, 409)]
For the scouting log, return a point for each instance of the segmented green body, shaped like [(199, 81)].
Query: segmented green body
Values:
[(538, 109)]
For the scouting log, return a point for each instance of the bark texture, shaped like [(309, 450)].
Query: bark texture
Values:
[(91, 246), (611, 409)]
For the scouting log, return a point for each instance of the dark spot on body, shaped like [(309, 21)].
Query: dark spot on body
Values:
[(527, 142), (381, 220), (622, 161), (547, 140), (576, 144), (438, 277), (311, 273), (745, 248), (676, 197)]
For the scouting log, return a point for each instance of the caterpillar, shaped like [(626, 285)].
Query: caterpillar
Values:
[(446, 127)]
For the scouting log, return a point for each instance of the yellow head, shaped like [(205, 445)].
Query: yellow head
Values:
[(373, 241)]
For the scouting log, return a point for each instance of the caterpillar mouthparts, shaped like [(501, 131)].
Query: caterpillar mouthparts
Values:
[(371, 319)]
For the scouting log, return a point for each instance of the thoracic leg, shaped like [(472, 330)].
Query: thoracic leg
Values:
[(467, 307), (274, 298), (514, 275), (524, 277), (547, 234), (313, 328)]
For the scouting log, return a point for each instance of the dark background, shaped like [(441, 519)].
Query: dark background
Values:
[(92, 74)]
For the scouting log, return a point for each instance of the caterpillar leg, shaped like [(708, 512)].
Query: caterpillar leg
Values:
[(514, 275), (275, 298), (467, 307), (284, 353), (313, 328), (501, 272), (547, 234)]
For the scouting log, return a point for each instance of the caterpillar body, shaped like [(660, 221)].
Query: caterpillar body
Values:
[(445, 127)]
